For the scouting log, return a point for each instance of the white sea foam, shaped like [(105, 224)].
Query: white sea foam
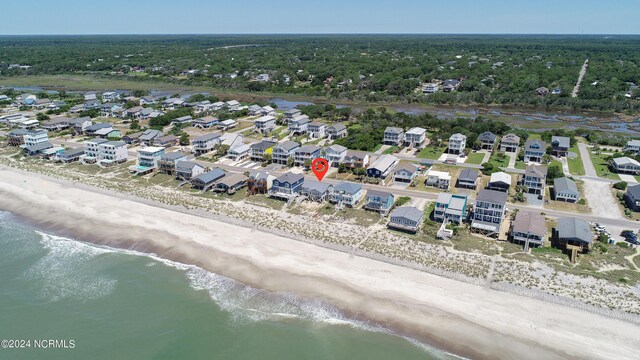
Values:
[(68, 270), (68, 273)]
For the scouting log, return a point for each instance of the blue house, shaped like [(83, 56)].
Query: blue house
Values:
[(380, 201), (286, 186)]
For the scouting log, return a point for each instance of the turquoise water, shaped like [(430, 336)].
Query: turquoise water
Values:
[(122, 305)]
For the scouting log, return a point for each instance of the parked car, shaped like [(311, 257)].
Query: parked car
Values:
[(632, 241), (628, 234)]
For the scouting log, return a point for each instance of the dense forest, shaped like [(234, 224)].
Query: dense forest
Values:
[(381, 68)]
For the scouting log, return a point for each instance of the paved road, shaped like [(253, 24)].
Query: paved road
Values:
[(589, 170), (583, 71), (617, 220)]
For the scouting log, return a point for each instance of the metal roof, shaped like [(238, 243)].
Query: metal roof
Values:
[(408, 212)]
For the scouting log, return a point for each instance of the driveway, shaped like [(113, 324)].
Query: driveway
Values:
[(565, 166), (589, 170), (512, 160), (533, 200), (601, 199), (629, 179)]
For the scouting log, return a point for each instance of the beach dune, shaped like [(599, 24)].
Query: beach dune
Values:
[(466, 319)]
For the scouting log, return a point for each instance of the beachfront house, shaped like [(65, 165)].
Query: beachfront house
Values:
[(382, 167), (632, 197), (92, 150), (232, 183), (535, 179), (560, 145), (299, 125), (565, 189), (380, 201), (625, 165), (264, 124), (317, 130), (205, 143), (283, 151), (488, 212), (205, 122), (36, 142), (393, 136), (167, 162), (406, 218), (487, 140), (336, 131), (510, 143), (187, 170), (207, 180), (528, 229), (262, 149), (499, 181), (450, 208), (166, 141), (303, 155), (16, 137), (573, 233), (335, 155), (148, 158), (468, 179), (70, 155), (415, 137), (405, 173), (315, 190), (259, 182), (534, 151), (457, 144), (356, 159), (438, 179), (286, 186), (56, 124), (112, 152), (346, 193), (239, 153)]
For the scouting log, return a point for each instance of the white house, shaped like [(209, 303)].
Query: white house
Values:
[(457, 144)]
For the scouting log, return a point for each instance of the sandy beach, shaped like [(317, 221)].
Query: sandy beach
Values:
[(463, 318)]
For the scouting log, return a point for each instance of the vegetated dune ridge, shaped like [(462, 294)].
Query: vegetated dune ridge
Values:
[(463, 318)]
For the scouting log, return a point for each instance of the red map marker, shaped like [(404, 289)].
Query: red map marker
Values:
[(320, 166)]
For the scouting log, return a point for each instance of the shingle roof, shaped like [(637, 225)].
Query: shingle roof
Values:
[(381, 194), (561, 141), (233, 179), (575, 229), (288, 145), (207, 137), (289, 178), (263, 145), (540, 143), (468, 175), (487, 136), (408, 212), (634, 191), (185, 165), (337, 127), (492, 196), (408, 167), (337, 148), (564, 185), (173, 156), (312, 185), (348, 187), (210, 176), (308, 149), (530, 222), (511, 138), (393, 130), (536, 170)]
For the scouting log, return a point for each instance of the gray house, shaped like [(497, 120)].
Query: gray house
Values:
[(207, 180), (468, 179), (407, 218), (632, 197), (188, 170), (572, 232), (560, 145), (487, 140), (528, 229), (565, 189)]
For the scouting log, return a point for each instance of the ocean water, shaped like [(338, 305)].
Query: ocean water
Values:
[(123, 305)]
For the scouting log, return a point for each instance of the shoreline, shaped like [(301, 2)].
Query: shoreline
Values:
[(412, 302)]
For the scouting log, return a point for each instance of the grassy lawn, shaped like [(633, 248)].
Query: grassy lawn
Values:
[(391, 150), (431, 153), (534, 136), (555, 162), (576, 167), (475, 158), (602, 166), (498, 161), (520, 165)]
